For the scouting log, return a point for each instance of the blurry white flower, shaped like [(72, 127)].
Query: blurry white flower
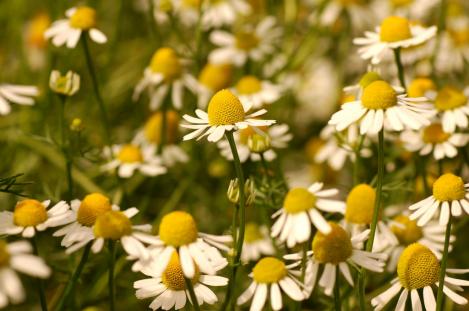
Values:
[(257, 92), (65, 85), (212, 78), (18, 94), (225, 12), (256, 242), (453, 107)]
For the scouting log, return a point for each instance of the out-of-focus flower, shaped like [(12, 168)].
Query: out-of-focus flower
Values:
[(35, 41), (453, 107), (66, 85), (77, 125), (420, 87), (259, 93), (220, 13), (18, 94), (256, 242), (212, 78), (454, 45)]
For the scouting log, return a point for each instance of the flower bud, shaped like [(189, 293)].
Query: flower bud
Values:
[(77, 125), (65, 85), (259, 143), (233, 191)]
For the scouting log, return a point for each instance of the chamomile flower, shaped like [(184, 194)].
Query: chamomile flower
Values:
[(17, 257), (449, 197), (300, 210), (81, 19), (417, 273), (31, 215), (34, 40), (225, 112), (178, 233), (132, 157), (381, 106), (395, 32), (165, 73), (220, 13), (270, 277), (256, 242), (358, 11), (170, 289), (336, 251), (212, 78), (433, 140), (17, 94), (421, 87), (257, 92), (453, 107), (454, 46), (253, 141), (246, 43)]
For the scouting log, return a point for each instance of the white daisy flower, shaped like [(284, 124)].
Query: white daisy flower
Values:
[(225, 112), (336, 251), (270, 277), (178, 233), (452, 105), (454, 46), (17, 257), (170, 289), (395, 32), (252, 141), (30, 216), (132, 157), (165, 73), (212, 78), (221, 13), (421, 87), (248, 43), (359, 12), (259, 93), (380, 106), (17, 94), (433, 140), (257, 243), (34, 41), (449, 196), (68, 31), (418, 272), (300, 210)]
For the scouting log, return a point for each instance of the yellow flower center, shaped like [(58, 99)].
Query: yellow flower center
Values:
[(83, 18), (130, 154), (379, 95), (191, 3), (395, 28), (360, 205), (29, 213), (408, 232), (398, 3), (448, 187), (112, 225), (345, 98), (154, 125), (92, 206), (460, 37), (178, 228), (334, 247), (252, 233), (225, 108), (216, 77), (449, 98), (248, 85), (418, 87), (36, 29), (166, 62), (246, 40), (173, 277), (299, 200), (4, 254), (269, 270), (434, 134), (417, 267), (248, 132), (368, 78)]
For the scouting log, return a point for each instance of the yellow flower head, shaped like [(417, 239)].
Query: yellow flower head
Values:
[(449, 187), (36, 28), (334, 247), (248, 85), (269, 270), (130, 154), (91, 207), (83, 18), (173, 276), (4, 254), (166, 62), (407, 231), (252, 233), (225, 108), (418, 267), (178, 228), (29, 213), (153, 127), (434, 134), (246, 40), (379, 95), (395, 28), (216, 76), (449, 98), (112, 225), (299, 200), (360, 205)]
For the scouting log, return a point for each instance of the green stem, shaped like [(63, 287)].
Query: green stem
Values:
[(361, 289), (356, 163), (112, 259), (65, 147), (41, 291), (164, 121), (71, 284), (190, 289), (441, 28), (400, 68), (337, 302), (441, 281), (151, 21)]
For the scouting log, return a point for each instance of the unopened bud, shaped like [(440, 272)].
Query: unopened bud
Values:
[(259, 143), (65, 85), (233, 191), (77, 125)]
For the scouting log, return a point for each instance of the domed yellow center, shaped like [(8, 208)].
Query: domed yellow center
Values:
[(225, 108), (173, 277), (246, 40), (130, 154), (248, 85), (178, 228), (360, 205), (434, 134), (448, 187), (92, 206), (368, 78), (395, 28), (417, 267), (216, 77), (269, 270), (36, 29), (299, 200), (449, 98), (460, 37), (166, 62), (29, 213), (334, 247), (153, 127), (252, 233), (379, 95), (83, 18), (406, 231), (418, 87), (4, 254), (112, 225)]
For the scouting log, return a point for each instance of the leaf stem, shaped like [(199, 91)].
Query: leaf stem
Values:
[(41, 292), (441, 281), (337, 303), (190, 289), (112, 260), (400, 67)]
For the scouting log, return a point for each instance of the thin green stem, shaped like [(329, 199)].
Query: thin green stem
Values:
[(361, 289), (337, 303), (441, 27), (190, 289), (441, 281), (112, 260), (65, 147), (151, 20), (41, 291), (356, 163), (164, 123), (303, 269), (400, 67)]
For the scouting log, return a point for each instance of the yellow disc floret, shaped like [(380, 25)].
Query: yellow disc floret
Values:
[(449, 98), (379, 95), (92, 206), (248, 85), (448, 187), (459, 36), (153, 127), (166, 62), (4, 254), (173, 276), (112, 225), (246, 40), (360, 205), (299, 200), (36, 29), (269, 270), (395, 28), (216, 76), (83, 18), (334, 247), (418, 267), (130, 154), (434, 134), (252, 233), (225, 108), (178, 228), (368, 78), (418, 87), (406, 230), (29, 213)]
